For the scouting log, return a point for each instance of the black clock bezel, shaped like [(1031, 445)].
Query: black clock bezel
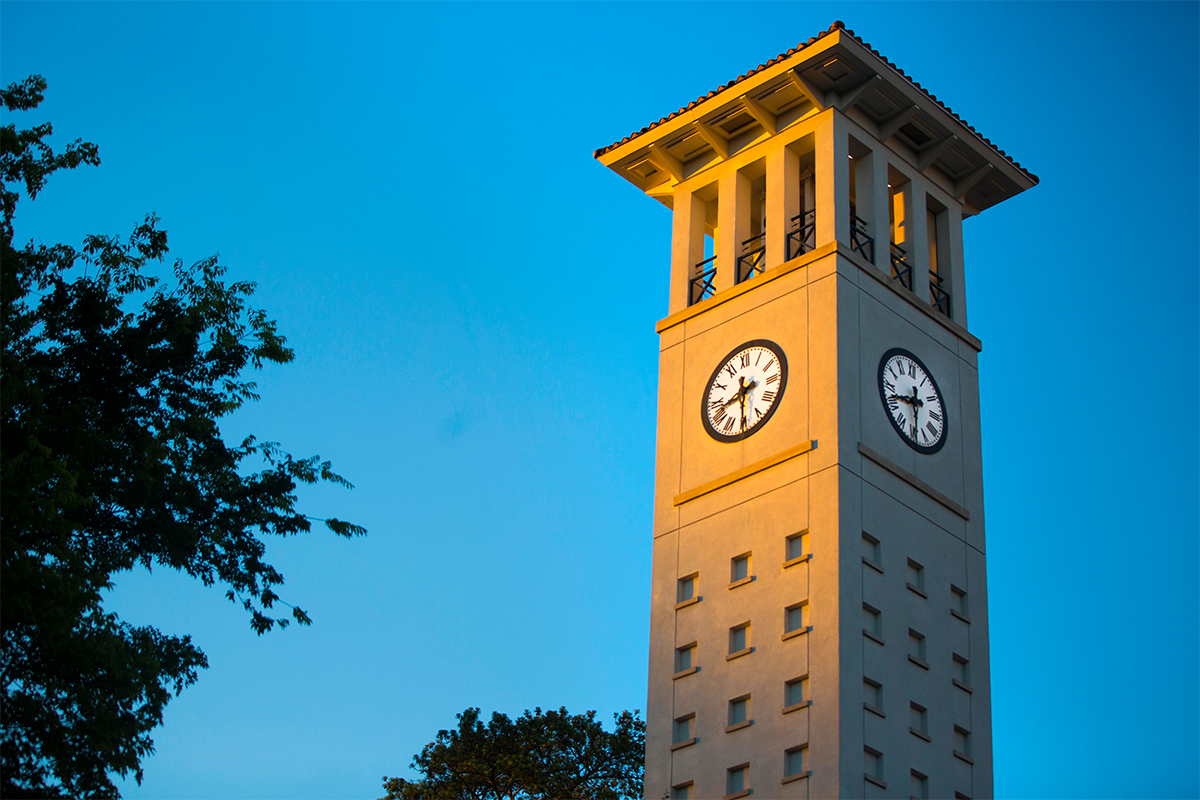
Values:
[(924, 449), (783, 375)]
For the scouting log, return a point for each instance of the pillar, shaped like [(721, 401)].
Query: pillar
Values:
[(687, 246), (783, 201), (870, 181), (901, 200), (950, 244), (832, 191), (918, 232), (733, 225)]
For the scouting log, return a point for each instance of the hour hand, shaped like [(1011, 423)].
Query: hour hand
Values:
[(903, 398)]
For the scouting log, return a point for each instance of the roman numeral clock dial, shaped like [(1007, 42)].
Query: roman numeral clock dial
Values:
[(744, 390), (912, 401)]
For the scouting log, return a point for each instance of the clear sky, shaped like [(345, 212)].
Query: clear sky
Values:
[(472, 301)]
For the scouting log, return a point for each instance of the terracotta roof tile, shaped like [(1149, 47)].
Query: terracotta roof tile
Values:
[(836, 26)]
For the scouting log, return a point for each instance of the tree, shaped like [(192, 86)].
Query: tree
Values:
[(112, 382), (540, 756)]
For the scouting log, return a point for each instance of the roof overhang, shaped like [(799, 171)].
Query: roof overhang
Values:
[(833, 70)]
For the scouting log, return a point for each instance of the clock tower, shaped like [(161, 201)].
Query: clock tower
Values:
[(819, 609)]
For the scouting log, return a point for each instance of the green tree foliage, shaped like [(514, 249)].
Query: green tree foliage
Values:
[(539, 756), (112, 383)]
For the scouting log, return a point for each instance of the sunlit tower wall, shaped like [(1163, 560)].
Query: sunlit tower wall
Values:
[(819, 621)]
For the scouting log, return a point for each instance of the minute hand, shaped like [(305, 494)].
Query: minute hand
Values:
[(740, 393)]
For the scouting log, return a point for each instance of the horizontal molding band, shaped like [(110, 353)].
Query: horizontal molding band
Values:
[(744, 472), (913, 481)]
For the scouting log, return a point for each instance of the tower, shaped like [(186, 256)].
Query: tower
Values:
[(819, 605)]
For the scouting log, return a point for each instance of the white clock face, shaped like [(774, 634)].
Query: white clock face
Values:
[(744, 390), (912, 401)]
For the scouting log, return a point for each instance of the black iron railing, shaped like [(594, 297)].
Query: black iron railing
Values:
[(701, 286), (861, 242), (803, 235), (752, 261), (901, 269), (939, 298)]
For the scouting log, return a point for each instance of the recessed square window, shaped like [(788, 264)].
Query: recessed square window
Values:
[(873, 696), (872, 551), (685, 729), (918, 719), (796, 547), (795, 692), (918, 785), (916, 577), (739, 568), (685, 657), (873, 622), (682, 791), (739, 638), (873, 763), (686, 589), (739, 710), (961, 670), (916, 648), (958, 603), (962, 741), (795, 761), (795, 619), (737, 779)]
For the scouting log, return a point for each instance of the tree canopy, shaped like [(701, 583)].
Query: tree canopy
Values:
[(112, 383), (539, 756)]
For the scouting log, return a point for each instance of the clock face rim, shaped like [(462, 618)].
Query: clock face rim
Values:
[(766, 344), (923, 449)]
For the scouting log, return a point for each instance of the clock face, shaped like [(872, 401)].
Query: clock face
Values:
[(744, 391), (912, 401)]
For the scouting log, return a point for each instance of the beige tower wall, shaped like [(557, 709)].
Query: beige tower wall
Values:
[(834, 316)]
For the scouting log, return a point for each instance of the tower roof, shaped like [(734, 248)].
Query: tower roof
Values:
[(834, 68)]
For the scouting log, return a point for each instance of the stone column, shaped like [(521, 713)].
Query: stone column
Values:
[(832, 191), (902, 216), (733, 225), (950, 245), (918, 231), (783, 201), (871, 190), (687, 246)]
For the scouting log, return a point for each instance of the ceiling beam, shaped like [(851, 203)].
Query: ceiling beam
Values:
[(930, 152), (888, 128), (756, 110), (967, 182), (714, 139), (814, 95), (666, 162), (851, 97)]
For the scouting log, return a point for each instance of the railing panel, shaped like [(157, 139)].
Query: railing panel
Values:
[(752, 261), (939, 298), (803, 236), (861, 242), (901, 269), (701, 286)]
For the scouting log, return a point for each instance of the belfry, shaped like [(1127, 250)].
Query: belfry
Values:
[(819, 616)]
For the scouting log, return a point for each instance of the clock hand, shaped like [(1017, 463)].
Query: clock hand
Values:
[(741, 396), (737, 396)]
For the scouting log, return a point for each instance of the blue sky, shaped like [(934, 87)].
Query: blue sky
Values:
[(472, 300)]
